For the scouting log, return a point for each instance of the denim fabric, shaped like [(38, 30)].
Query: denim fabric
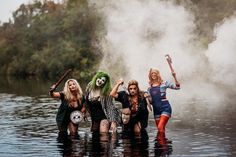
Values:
[(161, 105)]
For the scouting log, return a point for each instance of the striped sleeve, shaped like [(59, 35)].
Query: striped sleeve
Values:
[(171, 85), (111, 111)]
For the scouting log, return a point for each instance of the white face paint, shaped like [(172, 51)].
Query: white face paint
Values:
[(100, 81)]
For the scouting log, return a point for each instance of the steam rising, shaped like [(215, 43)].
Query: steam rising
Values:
[(143, 32), (221, 54)]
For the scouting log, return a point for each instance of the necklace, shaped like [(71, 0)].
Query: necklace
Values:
[(134, 104)]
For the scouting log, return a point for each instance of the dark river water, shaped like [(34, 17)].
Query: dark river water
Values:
[(28, 128)]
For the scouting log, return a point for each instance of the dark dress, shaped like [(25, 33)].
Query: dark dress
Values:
[(96, 112), (140, 116), (64, 111)]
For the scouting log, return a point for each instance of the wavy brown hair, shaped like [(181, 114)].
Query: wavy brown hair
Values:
[(134, 82)]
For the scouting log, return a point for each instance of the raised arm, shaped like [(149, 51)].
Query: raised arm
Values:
[(114, 90), (172, 85), (52, 92), (148, 100), (176, 81)]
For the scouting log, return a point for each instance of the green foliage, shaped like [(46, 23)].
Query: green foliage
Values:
[(48, 38), (208, 13)]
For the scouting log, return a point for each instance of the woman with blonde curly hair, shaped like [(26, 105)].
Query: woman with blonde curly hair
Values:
[(161, 106), (72, 99)]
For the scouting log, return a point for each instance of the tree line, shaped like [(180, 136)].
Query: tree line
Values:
[(46, 38)]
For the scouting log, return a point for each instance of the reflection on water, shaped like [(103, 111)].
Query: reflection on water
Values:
[(163, 146), (28, 128), (104, 145)]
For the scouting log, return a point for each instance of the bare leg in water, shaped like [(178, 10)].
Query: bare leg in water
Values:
[(73, 128), (104, 126)]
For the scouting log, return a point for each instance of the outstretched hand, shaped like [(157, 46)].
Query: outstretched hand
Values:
[(120, 81), (177, 84), (176, 81), (146, 94), (53, 88)]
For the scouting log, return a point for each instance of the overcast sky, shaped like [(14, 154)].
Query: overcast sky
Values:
[(7, 7)]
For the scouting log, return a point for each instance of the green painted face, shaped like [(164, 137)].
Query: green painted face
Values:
[(101, 80)]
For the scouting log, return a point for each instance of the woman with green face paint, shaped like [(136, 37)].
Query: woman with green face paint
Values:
[(105, 116)]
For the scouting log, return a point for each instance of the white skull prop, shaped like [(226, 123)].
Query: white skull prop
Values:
[(76, 117)]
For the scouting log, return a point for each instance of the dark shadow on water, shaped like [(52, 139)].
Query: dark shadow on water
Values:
[(71, 145), (33, 86), (97, 145), (135, 145), (163, 146), (104, 145), (25, 87)]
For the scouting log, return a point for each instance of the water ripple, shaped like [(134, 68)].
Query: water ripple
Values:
[(28, 128)]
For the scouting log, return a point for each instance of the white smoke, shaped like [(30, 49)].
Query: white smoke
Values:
[(221, 54), (143, 32)]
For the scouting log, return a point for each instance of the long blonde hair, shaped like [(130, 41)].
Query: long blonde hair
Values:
[(159, 79), (68, 95)]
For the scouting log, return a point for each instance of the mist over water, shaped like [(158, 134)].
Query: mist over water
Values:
[(141, 33), (221, 53)]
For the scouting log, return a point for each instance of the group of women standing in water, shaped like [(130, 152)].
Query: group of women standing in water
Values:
[(98, 102)]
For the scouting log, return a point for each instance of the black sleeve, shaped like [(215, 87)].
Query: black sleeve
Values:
[(62, 96), (144, 105), (83, 99), (123, 98)]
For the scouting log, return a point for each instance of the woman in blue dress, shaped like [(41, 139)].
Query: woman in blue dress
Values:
[(161, 106)]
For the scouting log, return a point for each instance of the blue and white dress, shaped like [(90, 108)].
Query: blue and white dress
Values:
[(161, 105)]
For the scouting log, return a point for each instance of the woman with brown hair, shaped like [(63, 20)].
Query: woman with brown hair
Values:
[(134, 102)]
